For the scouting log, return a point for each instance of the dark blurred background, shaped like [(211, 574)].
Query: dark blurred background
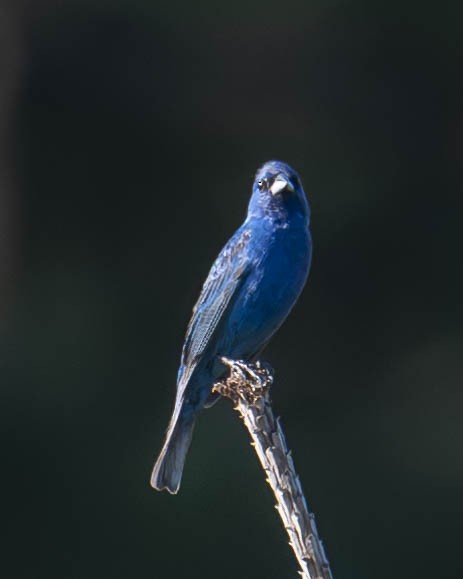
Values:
[(130, 131)]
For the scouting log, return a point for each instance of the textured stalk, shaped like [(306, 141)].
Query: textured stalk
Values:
[(248, 386)]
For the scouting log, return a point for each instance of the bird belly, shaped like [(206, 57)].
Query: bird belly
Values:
[(268, 296)]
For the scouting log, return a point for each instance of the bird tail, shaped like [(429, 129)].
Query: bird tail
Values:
[(167, 472)]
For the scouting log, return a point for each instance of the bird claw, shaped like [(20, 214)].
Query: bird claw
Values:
[(246, 379)]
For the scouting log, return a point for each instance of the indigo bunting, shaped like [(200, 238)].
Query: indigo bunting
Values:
[(250, 290)]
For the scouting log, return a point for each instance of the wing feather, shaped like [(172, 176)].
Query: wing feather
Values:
[(218, 293)]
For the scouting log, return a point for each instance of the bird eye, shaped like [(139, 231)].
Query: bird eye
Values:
[(262, 184)]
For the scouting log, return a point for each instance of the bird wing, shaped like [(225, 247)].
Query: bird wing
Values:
[(217, 295)]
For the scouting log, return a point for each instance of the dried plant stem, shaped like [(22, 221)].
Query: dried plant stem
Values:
[(248, 386)]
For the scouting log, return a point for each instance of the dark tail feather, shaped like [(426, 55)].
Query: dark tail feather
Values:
[(167, 472)]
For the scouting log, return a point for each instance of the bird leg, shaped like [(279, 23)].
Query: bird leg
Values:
[(248, 380)]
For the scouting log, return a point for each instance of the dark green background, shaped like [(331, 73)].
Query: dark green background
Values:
[(129, 135)]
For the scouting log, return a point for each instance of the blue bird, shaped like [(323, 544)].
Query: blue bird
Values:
[(250, 290)]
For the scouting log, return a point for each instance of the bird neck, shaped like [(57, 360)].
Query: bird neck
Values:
[(278, 214)]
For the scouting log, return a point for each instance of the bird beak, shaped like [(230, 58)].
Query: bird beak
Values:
[(280, 184)]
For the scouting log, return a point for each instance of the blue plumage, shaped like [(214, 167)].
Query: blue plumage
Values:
[(250, 290)]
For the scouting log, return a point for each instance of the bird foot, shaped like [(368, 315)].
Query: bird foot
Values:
[(249, 380)]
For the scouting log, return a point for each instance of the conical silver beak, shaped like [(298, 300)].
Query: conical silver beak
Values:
[(280, 184)]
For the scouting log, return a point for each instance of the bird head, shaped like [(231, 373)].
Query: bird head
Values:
[(278, 193)]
